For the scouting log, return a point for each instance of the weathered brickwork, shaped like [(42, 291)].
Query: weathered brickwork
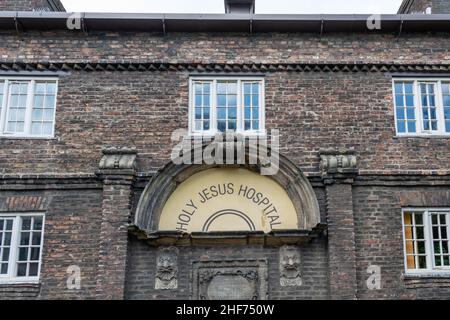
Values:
[(224, 48), (30, 5), (335, 110), (379, 240), (420, 6), (71, 238), (88, 210)]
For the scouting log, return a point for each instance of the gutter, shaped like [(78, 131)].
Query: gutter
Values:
[(254, 23)]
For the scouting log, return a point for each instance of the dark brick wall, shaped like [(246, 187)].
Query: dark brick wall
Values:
[(441, 6), (30, 5), (224, 47), (142, 261), (379, 240), (312, 111), (420, 6), (71, 238)]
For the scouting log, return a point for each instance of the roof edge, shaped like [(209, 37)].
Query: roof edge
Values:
[(322, 23)]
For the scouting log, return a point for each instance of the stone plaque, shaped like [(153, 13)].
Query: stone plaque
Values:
[(230, 280)]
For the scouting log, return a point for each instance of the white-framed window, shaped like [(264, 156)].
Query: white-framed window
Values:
[(426, 240), (28, 107), (422, 106), (224, 104), (21, 240)]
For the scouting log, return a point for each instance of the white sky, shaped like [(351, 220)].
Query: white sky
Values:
[(217, 6)]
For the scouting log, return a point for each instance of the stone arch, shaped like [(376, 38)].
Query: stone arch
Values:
[(166, 181)]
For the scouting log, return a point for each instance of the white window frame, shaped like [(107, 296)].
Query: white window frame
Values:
[(431, 270), (10, 278), (240, 106), (4, 107), (420, 132)]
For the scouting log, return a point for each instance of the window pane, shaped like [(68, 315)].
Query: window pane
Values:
[(221, 100), (221, 87), (206, 125), (255, 100), (221, 126), (198, 101), (247, 100), (21, 269), (5, 255), (39, 102), (198, 113), (232, 101), (40, 88), (247, 113), (409, 101), (247, 88), (24, 238), (47, 128), (255, 88), (221, 113), (255, 113), (33, 269), (206, 113), (421, 247), (48, 114), (34, 255), (37, 223), (198, 88), (401, 128), (410, 113), (23, 254), (420, 233), (4, 268), (206, 101), (232, 88), (400, 113), (409, 87), (26, 223), (399, 101), (37, 115), (7, 239), (411, 126), (418, 218), (232, 113), (206, 88), (36, 238), (422, 262), (36, 128)]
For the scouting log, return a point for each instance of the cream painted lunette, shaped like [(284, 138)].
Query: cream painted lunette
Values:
[(228, 199)]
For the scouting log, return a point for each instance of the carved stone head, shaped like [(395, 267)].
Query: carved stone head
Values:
[(290, 269), (167, 269)]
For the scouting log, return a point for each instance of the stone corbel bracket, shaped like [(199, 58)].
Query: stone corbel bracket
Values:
[(114, 158), (338, 162)]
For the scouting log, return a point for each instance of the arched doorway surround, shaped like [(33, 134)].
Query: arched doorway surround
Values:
[(151, 211)]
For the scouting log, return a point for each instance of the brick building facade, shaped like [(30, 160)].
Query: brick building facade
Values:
[(360, 170)]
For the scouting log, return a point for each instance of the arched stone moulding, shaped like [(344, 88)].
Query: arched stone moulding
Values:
[(166, 181)]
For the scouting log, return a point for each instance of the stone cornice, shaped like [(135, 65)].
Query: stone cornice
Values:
[(17, 66)]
